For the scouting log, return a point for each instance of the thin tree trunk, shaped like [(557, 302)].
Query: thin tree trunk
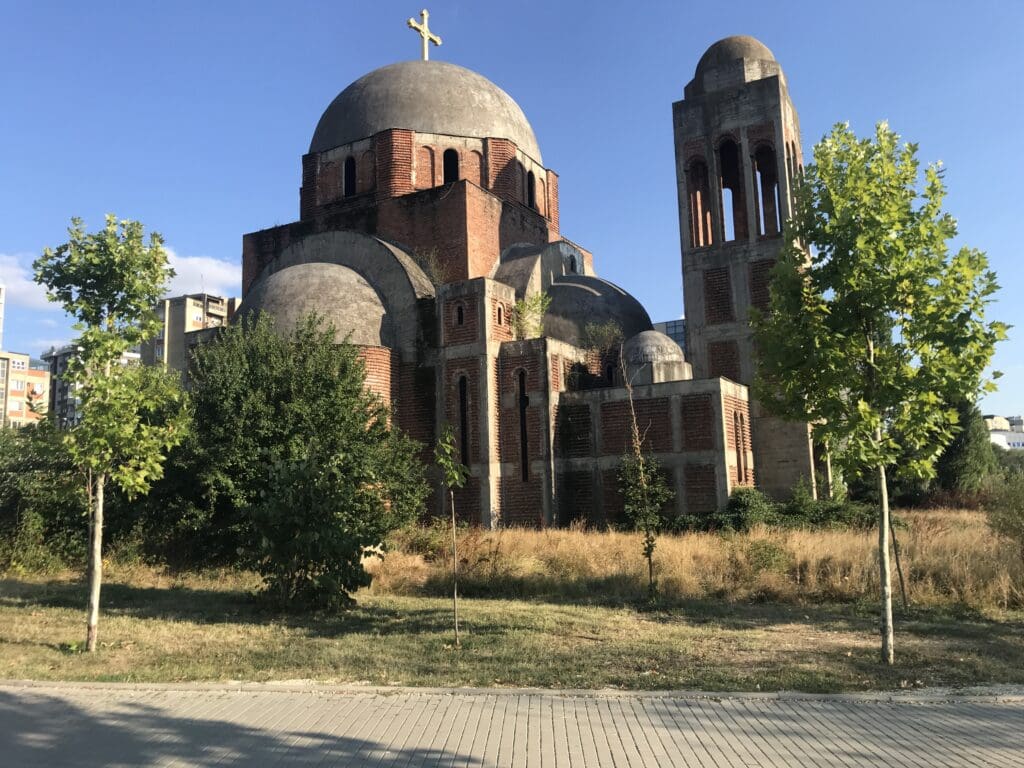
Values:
[(885, 577), (455, 571), (899, 566), (95, 563)]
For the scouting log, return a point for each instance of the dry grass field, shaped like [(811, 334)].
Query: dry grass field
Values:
[(767, 610), (950, 558)]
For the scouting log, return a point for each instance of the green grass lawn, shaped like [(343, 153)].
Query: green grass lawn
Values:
[(161, 628)]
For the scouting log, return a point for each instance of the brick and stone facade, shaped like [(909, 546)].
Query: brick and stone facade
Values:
[(737, 142), (425, 215)]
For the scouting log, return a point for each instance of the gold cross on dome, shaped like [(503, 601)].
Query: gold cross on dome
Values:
[(425, 33)]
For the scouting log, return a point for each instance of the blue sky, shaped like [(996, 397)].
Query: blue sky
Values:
[(192, 117)]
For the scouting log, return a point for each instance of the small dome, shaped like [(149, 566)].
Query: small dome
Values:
[(730, 49), (579, 300), (339, 295), (426, 97), (652, 347)]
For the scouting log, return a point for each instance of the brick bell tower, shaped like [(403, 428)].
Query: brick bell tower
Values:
[(737, 141)]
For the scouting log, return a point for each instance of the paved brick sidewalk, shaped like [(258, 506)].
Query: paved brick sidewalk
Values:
[(82, 725)]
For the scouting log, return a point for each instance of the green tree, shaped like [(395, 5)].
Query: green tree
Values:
[(109, 281), (1004, 504), (874, 324), (292, 467), (43, 505), (642, 485), (454, 473), (528, 315), (969, 460)]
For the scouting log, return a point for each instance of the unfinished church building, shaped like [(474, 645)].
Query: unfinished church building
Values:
[(426, 213), (737, 140)]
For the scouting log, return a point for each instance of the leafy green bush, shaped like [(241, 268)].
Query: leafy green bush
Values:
[(1005, 507), (42, 500), (763, 555), (802, 510), (746, 507), (320, 514)]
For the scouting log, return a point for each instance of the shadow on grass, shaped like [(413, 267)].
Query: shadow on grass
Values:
[(42, 730)]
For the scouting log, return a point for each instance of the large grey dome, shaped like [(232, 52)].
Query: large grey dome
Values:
[(652, 347), (730, 49), (341, 296), (581, 300), (427, 97)]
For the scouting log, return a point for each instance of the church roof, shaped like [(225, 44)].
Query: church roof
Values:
[(339, 295), (426, 97), (578, 301), (652, 347), (730, 49)]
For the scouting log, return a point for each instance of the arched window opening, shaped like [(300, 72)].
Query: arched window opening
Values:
[(573, 266), (609, 373), (460, 315), (450, 161), (501, 315), (700, 211), (348, 187), (531, 190), (524, 453), (464, 420), (734, 208), (767, 177)]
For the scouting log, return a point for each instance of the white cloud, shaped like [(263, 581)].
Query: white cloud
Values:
[(195, 274), (22, 290), (43, 345)]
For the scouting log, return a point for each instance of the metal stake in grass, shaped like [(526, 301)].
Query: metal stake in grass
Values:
[(454, 477)]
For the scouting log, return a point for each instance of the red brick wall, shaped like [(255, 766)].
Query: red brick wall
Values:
[(521, 500), (454, 369), (652, 417), (467, 502), (521, 503), (307, 192), (763, 133), (573, 437), (717, 296), (734, 406), (379, 363), (760, 278), (393, 149), (698, 422), (724, 360), (471, 165), (366, 172), (576, 498), (613, 509), (502, 167), (501, 328), (426, 168), (469, 331), (553, 199), (699, 488), (328, 182), (414, 407), (463, 226)]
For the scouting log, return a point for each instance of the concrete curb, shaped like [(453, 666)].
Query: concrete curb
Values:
[(999, 694)]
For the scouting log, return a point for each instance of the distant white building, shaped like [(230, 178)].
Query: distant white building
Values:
[(1006, 431)]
